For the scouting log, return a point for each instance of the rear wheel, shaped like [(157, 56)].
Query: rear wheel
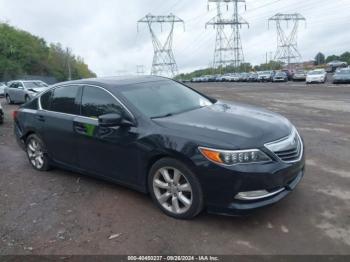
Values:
[(37, 156), (175, 189), (8, 99)]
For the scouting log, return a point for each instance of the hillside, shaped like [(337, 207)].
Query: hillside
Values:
[(22, 53)]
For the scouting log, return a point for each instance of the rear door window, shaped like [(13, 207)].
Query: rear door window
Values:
[(64, 100)]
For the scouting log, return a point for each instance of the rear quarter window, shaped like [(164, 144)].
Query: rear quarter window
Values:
[(45, 100), (32, 104)]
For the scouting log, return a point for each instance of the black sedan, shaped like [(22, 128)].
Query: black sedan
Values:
[(280, 77), (342, 76), (188, 151)]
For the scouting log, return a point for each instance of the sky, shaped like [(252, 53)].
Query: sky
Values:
[(105, 32)]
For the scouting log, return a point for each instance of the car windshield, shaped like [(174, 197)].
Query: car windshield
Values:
[(280, 74), (163, 98), (34, 85), (316, 73)]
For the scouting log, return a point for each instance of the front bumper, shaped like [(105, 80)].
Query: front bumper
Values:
[(221, 185), (316, 80), (246, 207), (341, 81)]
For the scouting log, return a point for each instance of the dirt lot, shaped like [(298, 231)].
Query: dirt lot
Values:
[(60, 212)]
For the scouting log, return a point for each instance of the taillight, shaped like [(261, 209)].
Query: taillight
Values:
[(14, 114)]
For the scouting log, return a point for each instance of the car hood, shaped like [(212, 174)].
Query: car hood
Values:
[(229, 125), (38, 90)]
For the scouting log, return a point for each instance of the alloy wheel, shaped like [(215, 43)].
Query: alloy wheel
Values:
[(35, 153), (172, 190)]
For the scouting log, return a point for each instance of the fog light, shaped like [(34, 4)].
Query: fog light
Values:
[(258, 194), (251, 195)]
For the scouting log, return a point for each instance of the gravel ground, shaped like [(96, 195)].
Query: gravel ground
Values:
[(60, 212)]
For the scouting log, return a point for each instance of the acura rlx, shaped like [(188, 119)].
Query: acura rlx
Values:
[(188, 151)]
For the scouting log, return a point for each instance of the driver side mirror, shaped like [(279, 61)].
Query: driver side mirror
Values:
[(113, 120)]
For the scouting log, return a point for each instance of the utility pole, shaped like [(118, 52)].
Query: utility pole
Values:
[(140, 69), (68, 52), (287, 44), (228, 45), (163, 60)]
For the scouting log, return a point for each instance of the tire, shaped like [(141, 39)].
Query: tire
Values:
[(189, 200), (26, 99), (8, 100), (36, 153)]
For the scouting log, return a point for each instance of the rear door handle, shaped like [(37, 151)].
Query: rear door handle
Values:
[(80, 128), (40, 118)]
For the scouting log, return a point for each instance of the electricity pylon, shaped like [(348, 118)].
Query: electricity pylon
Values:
[(163, 60), (228, 46), (287, 43)]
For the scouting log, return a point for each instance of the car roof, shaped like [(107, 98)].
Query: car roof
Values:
[(25, 81), (115, 81)]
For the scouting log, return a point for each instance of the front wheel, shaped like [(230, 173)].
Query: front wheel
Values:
[(36, 154), (8, 100), (175, 189), (26, 99)]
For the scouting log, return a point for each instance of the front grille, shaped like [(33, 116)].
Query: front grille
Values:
[(288, 149), (289, 155)]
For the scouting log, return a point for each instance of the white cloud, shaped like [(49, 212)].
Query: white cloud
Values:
[(104, 32)]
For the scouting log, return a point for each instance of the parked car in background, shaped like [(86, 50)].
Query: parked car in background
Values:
[(280, 77), (300, 75), (2, 89), (1, 115), (205, 78), (342, 76), (265, 76), (196, 79), (253, 77), (289, 73), (219, 78), (235, 77), (244, 77), (226, 77), (22, 91), (334, 65), (190, 152), (316, 76)]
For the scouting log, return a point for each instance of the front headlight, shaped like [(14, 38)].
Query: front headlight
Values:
[(234, 157)]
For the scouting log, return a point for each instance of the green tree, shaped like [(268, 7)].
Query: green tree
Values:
[(345, 57), (24, 54), (320, 59), (332, 58)]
